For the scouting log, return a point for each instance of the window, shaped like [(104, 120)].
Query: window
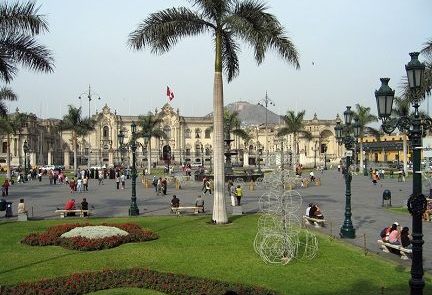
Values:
[(4, 147), (188, 133), (197, 133), (207, 133), (188, 152), (105, 132)]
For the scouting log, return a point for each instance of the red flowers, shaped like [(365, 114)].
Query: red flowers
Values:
[(53, 237)]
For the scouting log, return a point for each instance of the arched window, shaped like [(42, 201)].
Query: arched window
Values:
[(197, 133), (105, 132), (188, 133)]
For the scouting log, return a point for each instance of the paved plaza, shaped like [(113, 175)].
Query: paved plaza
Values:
[(369, 217)]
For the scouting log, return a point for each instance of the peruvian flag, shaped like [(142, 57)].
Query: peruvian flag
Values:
[(170, 94)]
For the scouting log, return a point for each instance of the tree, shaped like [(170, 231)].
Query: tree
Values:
[(13, 124), (227, 21), (6, 94), (150, 127), (78, 126), (19, 24), (294, 124), (364, 118), (401, 109)]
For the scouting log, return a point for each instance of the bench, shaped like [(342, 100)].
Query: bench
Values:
[(402, 251), (179, 210), (63, 213), (316, 222)]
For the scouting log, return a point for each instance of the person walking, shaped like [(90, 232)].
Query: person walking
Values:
[(238, 194), (123, 181), (79, 185), (117, 180), (85, 183), (207, 187)]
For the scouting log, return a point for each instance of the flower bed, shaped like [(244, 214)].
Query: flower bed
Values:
[(168, 283), (53, 237)]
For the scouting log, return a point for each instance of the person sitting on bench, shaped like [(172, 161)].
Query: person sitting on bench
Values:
[(394, 235), (84, 206), (200, 204), (405, 238), (70, 205), (175, 202), (315, 212)]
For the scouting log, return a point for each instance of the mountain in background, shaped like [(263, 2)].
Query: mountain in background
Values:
[(252, 114)]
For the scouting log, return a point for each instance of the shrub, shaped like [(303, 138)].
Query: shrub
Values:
[(168, 283), (52, 236)]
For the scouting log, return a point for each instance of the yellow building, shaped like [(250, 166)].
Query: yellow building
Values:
[(387, 148)]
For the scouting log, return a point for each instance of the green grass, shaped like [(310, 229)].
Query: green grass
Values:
[(193, 246)]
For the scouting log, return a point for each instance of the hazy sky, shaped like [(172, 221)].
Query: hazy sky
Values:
[(344, 47)]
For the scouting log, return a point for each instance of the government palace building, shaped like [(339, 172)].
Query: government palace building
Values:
[(189, 139)]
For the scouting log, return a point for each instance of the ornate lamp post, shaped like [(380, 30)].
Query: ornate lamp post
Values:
[(202, 155), (266, 101), (210, 155), (415, 126), (315, 153), (325, 157), (343, 135), (365, 170), (26, 150), (133, 210), (259, 153)]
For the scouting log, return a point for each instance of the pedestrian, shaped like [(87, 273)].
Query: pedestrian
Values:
[(100, 177), (164, 186), (40, 176), (239, 194), (123, 181), (84, 206), (79, 187), (117, 180), (85, 183), (5, 187), (207, 187), (155, 182), (233, 195)]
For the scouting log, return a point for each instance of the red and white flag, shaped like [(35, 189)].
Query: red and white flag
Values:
[(170, 94)]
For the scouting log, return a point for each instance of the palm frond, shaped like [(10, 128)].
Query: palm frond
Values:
[(22, 18), (7, 68), (213, 9), (24, 49), (427, 49), (163, 29), (242, 134), (7, 94), (230, 61)]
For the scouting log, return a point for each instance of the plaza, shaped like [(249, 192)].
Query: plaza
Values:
[(369, 217)]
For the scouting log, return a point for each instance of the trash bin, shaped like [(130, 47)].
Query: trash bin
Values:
[(386, 196), (3, 205)]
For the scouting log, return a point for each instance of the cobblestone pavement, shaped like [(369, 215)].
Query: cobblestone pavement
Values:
[(368, 217)]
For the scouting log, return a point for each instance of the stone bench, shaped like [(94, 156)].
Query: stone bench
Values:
[(64, 213), (192, 209), (402, 251), (316, 222)]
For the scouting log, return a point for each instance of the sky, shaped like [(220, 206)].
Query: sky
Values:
[(344, 48)]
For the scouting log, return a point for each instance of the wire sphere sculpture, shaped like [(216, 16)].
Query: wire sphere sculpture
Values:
[(279, 237)]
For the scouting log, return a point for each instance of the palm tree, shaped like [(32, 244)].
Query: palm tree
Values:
[(364, 118), (6, 94), (19, 24), (227, 21), (150, 127), (12, 124), (74, 122), (294, 124), (401, 109)]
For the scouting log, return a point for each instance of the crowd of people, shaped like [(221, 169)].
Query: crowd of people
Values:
[(396, 235)]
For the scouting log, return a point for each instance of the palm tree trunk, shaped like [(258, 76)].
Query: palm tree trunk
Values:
[(405, 153), (361, 155), (219, 206), (74, 142), (8, 158), (149, 157)]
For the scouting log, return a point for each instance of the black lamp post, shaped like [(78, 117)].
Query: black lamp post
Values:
[(210, 156), (202, 155), (415, 126), (26, 150), (266, 101), (325, 157), (315, 154), (365, 170), (343, 136), (259, 151), (133, 210)]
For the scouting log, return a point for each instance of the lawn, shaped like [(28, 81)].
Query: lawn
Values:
[(400, 210), (191, 245)]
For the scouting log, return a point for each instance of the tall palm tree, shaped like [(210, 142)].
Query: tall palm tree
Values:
[(150, 127), (79, 126), (294, 124), (401, 109), (6, 94), (12, 125), (227, 21), (19, 24), (364, 118)]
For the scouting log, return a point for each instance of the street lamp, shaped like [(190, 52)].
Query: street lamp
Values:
[(414, 126), (325, 156), (315, 153), (210, 155), (90, 96), (365, 170), (26, 150), (266, 101), (133, 210), (202, 155), (259, 157), (343, 136)]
